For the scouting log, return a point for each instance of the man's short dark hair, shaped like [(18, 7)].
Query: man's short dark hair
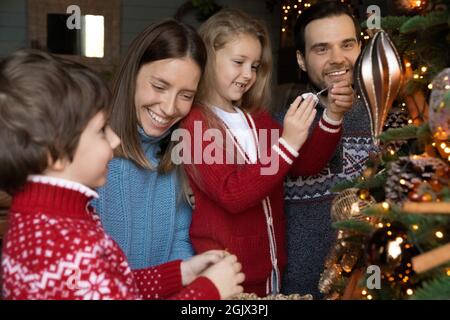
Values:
[(321, 10), (45, 104)]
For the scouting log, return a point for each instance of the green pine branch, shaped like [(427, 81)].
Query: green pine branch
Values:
[(436, 289), (377, 181), (423, 23), (404, 133)]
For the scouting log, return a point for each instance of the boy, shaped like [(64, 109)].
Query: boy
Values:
[(54, 148)]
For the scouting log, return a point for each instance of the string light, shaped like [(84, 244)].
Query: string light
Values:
[(409, 292), (291, 10), (430, 86), (423, 69), (439, 234), (385, 205), (415, 227)]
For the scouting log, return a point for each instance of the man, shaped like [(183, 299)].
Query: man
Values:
[(327, 44)]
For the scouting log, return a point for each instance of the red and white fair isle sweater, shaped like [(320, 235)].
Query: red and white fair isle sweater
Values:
[(239, 209), (56, 248)]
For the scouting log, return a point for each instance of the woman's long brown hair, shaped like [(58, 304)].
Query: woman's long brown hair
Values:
[(165, 40)]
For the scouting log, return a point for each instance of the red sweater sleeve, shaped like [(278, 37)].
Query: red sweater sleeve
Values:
[(317, 150), (164, 282)]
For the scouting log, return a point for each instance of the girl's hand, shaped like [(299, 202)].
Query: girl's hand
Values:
[(226, 276), (191, 268), (297, 121)]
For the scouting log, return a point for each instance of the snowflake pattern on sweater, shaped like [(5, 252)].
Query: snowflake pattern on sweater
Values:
[(56, 248)]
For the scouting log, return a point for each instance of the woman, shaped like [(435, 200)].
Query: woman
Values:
[(141, 205)]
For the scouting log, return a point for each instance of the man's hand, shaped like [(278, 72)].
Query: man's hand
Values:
[(340, 100)]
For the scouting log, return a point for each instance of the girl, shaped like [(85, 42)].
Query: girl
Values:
[(238, 206), (140, 205), (55, 246)]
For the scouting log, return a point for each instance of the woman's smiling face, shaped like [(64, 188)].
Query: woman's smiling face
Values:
[(165, 90)]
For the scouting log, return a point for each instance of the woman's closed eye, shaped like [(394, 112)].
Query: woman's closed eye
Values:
[(188, 97), (158, 87)]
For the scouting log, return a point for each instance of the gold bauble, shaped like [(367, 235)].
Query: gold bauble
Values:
[(348, 204)]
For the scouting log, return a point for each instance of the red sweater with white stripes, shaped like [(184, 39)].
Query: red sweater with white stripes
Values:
[(238, 208), (56, 248)]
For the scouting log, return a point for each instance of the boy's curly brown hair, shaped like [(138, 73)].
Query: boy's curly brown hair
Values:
[(45, 104)]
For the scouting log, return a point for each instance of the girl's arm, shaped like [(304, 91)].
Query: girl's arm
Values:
[(318, 149), (164, 282), (236, 187)]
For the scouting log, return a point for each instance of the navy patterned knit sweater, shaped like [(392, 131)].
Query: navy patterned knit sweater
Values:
[(308, 199)]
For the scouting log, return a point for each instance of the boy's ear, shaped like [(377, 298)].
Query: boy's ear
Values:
[(301, 61), (56, 165)]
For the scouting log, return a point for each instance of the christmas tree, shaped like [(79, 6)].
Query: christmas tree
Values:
[(393, 222)]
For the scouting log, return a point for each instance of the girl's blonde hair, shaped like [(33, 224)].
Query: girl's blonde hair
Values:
[(216, 32), (224, 27)]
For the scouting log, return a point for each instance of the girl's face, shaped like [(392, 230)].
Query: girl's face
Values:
[(235, 71), (165, 90)]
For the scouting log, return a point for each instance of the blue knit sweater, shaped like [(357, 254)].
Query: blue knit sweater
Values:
[(143, 210)]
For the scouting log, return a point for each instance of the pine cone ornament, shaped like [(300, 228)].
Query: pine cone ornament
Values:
[(406, 176), (397, 118)]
